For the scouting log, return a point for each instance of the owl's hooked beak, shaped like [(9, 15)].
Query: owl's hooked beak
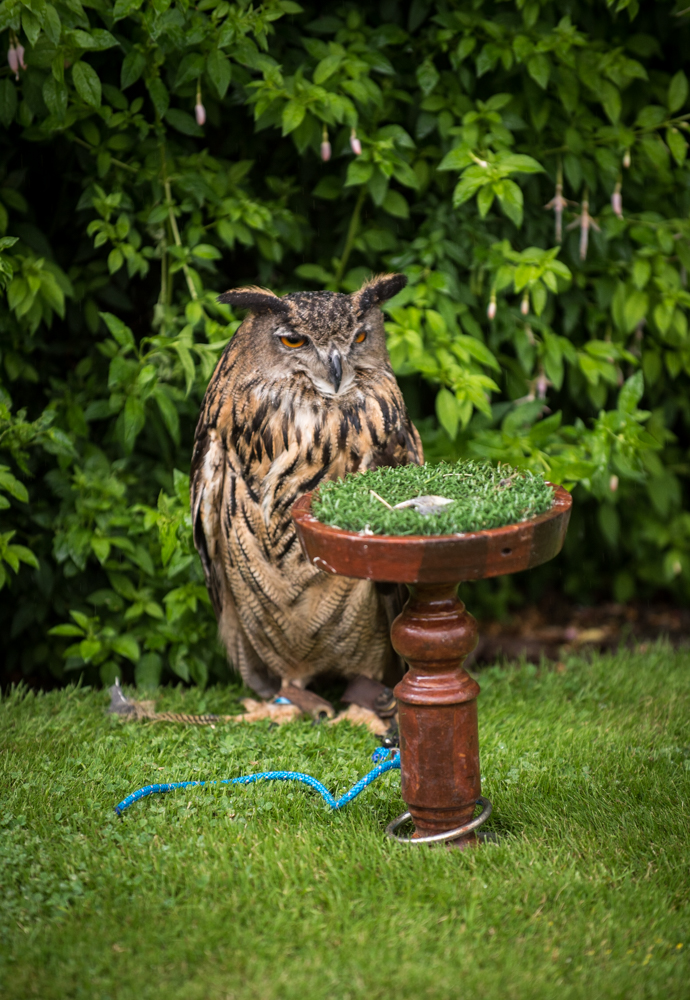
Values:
[(335, 366)]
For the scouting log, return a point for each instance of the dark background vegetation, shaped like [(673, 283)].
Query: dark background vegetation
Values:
[(122, 218)]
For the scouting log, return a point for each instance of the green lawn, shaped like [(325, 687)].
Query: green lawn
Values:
[(261, 892)]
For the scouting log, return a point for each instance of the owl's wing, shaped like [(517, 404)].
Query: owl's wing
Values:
[(209, 463)]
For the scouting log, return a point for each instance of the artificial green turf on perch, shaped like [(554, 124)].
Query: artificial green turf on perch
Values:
[(481, 497)]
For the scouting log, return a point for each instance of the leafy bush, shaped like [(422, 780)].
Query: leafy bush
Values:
[(523, 162)]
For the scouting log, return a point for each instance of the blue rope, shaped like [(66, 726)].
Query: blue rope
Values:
[(386, 760)]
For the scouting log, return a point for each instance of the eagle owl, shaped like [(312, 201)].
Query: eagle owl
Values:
[(304, 392)]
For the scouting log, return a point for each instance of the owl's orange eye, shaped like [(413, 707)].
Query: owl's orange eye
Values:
[(361, 337), (293, 341)]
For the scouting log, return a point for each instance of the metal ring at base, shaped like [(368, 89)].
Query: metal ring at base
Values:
[(439, 838)]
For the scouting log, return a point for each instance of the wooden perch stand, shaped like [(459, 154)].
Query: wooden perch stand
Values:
[(437, 698)]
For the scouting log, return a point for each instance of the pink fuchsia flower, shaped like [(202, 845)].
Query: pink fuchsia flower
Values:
[(20, 55), (626, 159), (613, 483), (325, 146), (13, 60), (491, 311), (355, 144), (617, 201), (524, 305)]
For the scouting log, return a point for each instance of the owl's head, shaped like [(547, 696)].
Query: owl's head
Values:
[(327, 336)]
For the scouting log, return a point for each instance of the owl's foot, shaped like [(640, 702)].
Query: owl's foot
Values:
[(359, 716), (258, 710)]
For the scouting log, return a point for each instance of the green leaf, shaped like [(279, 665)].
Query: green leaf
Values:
[(168, 412), (677, 144), (128, 647), (13, 486), (539, 68), (158, 93), (447, 412), (293, 115), (133, 66), (115, 260), (190, 68), (539, 297), (404, 174), (485, 199), (65, 630), (651, 116), (8, 102), (87, 84), (457, 159), (427, 76), (187, 364), (31, 26), (358, 173), (121, 333), (55, 96), (611, 100), (326, 68), (183, 122), (395, 204), (677, 91), (51, 24), (148, 671), (520, 163), (329, 188), (635, 309), (134, 420), (219, 71), (206, 251), (123, 8), (631, 393), (511, 199)]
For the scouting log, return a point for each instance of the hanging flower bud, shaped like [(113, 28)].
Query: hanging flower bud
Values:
[(325, 146), (613, 483), (617, 201), (355, 144), (558, 203), (20, 55), (541, 385), (626, 159), (585, 221), (491, 311), (199, 109), (524, 305), (13, 60), (529, 333)]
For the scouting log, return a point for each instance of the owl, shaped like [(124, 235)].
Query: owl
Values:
[(303, 393)]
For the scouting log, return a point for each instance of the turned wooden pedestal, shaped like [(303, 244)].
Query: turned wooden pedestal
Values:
[(437, 698)]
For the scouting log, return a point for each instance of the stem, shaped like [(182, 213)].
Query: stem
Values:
[(173, 225), (118, 163), (351, 234)]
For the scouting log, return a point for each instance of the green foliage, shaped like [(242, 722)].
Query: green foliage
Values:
[(153, 155), (585, 894), (477, 494)]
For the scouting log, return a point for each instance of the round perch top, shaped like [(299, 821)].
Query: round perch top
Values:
[(474, 555), (440, 499)]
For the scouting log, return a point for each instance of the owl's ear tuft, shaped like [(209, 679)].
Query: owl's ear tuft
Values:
[(254, 298), (379, 289)]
